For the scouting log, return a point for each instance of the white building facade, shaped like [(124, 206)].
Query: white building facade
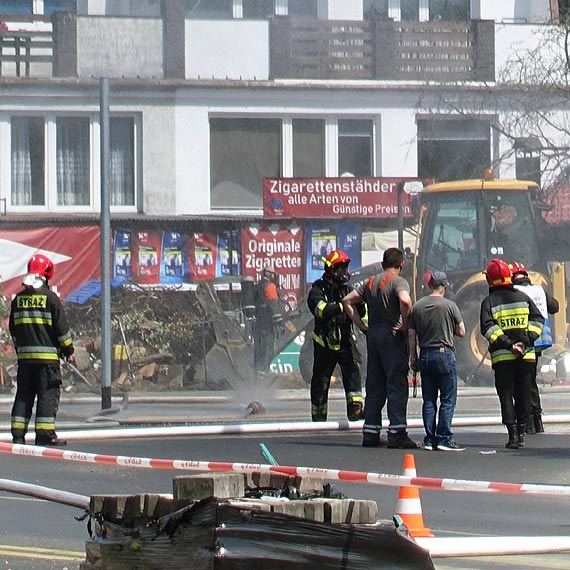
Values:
[(209, 98)]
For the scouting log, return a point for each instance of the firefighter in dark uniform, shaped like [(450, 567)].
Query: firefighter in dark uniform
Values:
[(511, 322), (41, 336), (268, 318), (547, 305), (333, 339)]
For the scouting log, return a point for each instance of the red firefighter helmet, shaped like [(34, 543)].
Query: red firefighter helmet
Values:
[(498, 273), (336, 257), (336, 265), (41, 265), (518, 268)]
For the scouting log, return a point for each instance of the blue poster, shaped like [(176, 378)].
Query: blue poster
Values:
[(324, 238), (174, 262), (228, 260), (122, 256)]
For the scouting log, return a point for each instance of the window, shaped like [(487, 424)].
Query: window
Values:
[(121, 161), (16, 6), (28, 159), (302, 9), (564, 10), (308, 148), (511, 217), (209, 8), (51, 160), (355, 147), (453, 149), (51, 6), (453, 243), (527, 151), (409, 10), (375, 8), (449, 10), (242, 153), (72, 161), (257, 9)]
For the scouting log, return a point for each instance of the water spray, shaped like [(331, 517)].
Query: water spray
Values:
[(254, 408)]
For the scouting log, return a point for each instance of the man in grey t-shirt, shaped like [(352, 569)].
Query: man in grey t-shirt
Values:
[(388, 300), (433, 322)]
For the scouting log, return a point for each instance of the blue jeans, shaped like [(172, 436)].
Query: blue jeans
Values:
[(439, 375)]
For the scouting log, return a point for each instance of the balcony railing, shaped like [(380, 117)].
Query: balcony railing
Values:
[(382, 49), (299, 49), (28, 49)]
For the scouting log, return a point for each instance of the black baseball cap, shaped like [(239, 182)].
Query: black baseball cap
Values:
[(438, 279)]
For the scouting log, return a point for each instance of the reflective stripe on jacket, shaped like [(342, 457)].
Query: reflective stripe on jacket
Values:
[(38, 326), (509, 316)]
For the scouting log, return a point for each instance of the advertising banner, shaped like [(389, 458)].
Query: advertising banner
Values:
[(322, 239), (147, 255), (122, 255), (279, 248), (75, 251), (203, 253), (229, 247), (349, 197), (174, 263)]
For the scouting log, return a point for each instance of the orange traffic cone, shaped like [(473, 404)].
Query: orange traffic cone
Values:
[(409, 506)]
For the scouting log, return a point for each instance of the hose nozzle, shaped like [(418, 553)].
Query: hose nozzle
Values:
[(254, 408)]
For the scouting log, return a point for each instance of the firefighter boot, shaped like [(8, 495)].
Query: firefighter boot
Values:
[(354, 411), (18, 436), (521, 428), (537, 421), (48, 438), (513, 442)]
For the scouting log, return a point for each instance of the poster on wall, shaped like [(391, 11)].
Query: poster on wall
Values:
[(75, 252), (322, 239), (281, 249), (122, 255), (229, 246), (174, 258), (146, 257), (203, 253)]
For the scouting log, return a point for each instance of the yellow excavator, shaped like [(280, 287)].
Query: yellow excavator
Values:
[(464, 224), (461, 226)]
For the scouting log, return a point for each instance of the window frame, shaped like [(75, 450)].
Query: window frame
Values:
[(50, 165), (330, 150)]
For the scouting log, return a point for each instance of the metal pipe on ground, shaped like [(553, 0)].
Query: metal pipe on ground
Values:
[(46, 493), (259, 427)]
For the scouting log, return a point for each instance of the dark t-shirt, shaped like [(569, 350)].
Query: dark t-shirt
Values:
[(384, 304), (434, 319)]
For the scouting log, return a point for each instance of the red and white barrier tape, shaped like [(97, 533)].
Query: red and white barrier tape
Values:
[(321, 473)]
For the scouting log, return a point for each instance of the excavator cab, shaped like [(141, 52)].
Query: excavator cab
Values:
[(463, 225)]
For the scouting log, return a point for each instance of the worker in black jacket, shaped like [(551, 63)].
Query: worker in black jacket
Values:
[(511, 322), (333, 339), (41, 336)]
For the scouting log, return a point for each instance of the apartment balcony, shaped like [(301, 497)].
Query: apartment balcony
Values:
[(68, 45), (383, 49)]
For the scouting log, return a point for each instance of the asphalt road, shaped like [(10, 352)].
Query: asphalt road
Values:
[(39, 535)]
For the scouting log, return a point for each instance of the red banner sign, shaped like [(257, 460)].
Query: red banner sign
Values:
[(75, 252), (282, 250), (348, 197)]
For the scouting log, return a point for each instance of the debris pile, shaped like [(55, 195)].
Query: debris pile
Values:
[(234, 521), (159, 337)]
